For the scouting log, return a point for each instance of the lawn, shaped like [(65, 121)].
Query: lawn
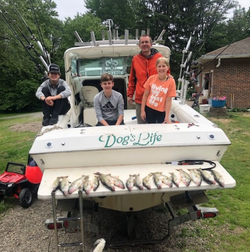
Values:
[(230, 229), (233, 222), (16, 137)]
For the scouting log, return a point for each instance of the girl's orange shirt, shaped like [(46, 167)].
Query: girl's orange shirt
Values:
[(159, 91)]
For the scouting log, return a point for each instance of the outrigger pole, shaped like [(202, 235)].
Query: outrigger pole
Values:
[(8, 20)]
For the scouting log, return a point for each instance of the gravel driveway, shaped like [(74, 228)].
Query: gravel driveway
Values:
[(24, 230)]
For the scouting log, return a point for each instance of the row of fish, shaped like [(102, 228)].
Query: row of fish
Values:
[(111, 182), (84, 183)]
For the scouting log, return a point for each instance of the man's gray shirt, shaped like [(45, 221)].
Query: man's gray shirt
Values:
[(53, 90), (108, 108)]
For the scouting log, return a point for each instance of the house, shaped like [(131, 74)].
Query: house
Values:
[(225, 72)]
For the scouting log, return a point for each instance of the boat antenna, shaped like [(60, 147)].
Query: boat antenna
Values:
[(160, 36)]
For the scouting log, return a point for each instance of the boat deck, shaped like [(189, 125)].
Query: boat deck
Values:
[(123, 172)]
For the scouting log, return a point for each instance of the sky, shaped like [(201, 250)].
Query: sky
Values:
[(69, 8)]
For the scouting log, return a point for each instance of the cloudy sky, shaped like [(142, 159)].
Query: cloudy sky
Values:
[(66, 8)]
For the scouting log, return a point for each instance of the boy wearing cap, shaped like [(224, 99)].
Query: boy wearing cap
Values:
[(53, 93)]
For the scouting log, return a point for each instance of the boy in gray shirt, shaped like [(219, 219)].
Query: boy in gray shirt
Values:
[(109, 104), (53, 93)]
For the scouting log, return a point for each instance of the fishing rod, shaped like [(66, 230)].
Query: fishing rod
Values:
[(5, 20), (45, 54), (29, 46), (187, 74), (11, 23), (195, 103)]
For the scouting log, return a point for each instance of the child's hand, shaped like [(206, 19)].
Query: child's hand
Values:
[(49, 101), (143, 116)]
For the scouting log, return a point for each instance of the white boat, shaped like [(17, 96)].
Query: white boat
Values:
[(76, 147)]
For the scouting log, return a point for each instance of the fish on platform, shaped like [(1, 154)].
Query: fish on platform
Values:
[(195, 176), (77, 184), (130, 182), (175, 179), (184, 176), (61, 183), (146, 181), (138, 181), (64, 185), (157, 179), (95, 183), (218, 178), (87, 185), (55, 184), (166, 180), (118, 182), (106, 180), (207, 177)]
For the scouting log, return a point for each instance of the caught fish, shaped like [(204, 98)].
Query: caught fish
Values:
[(64, 185), (95, 183), (157, 179), (166, 180), (207, 177), (118, 182), (175, 179), (106, 180), (218, 178), (130, 182), (87, 185), (75, 185), (146, 181), (138, 182), (55, 185), (196, 176), (185, 178)]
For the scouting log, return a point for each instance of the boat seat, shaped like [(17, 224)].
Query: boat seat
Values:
[(88, 93), (89, 116)]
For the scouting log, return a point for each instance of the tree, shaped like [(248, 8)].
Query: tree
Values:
[(122, 12), (180, 19), (20, 54), (238, 25)]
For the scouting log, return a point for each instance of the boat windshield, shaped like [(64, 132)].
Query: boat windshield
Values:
[(96, 67)]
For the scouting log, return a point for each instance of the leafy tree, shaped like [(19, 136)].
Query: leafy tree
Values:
[(122, 12), (206, 20), (21, 19), (238, 25), (180, 19)]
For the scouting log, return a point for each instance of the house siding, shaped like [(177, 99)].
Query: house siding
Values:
[(231, 79)]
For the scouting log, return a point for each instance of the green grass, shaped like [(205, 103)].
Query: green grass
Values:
[(229, 231), (15, 144), (233, 222)]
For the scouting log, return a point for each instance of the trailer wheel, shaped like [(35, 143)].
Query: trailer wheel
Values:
[(25, 198)]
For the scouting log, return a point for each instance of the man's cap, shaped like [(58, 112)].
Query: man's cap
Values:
[(53, 68)]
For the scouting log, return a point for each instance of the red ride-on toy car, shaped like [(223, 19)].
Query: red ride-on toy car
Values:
[(20, 181)]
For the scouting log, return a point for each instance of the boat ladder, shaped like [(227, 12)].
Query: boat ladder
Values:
[(57, 220)]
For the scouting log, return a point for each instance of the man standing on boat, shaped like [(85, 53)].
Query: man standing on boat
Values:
[(143, 65), (53, 93)]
